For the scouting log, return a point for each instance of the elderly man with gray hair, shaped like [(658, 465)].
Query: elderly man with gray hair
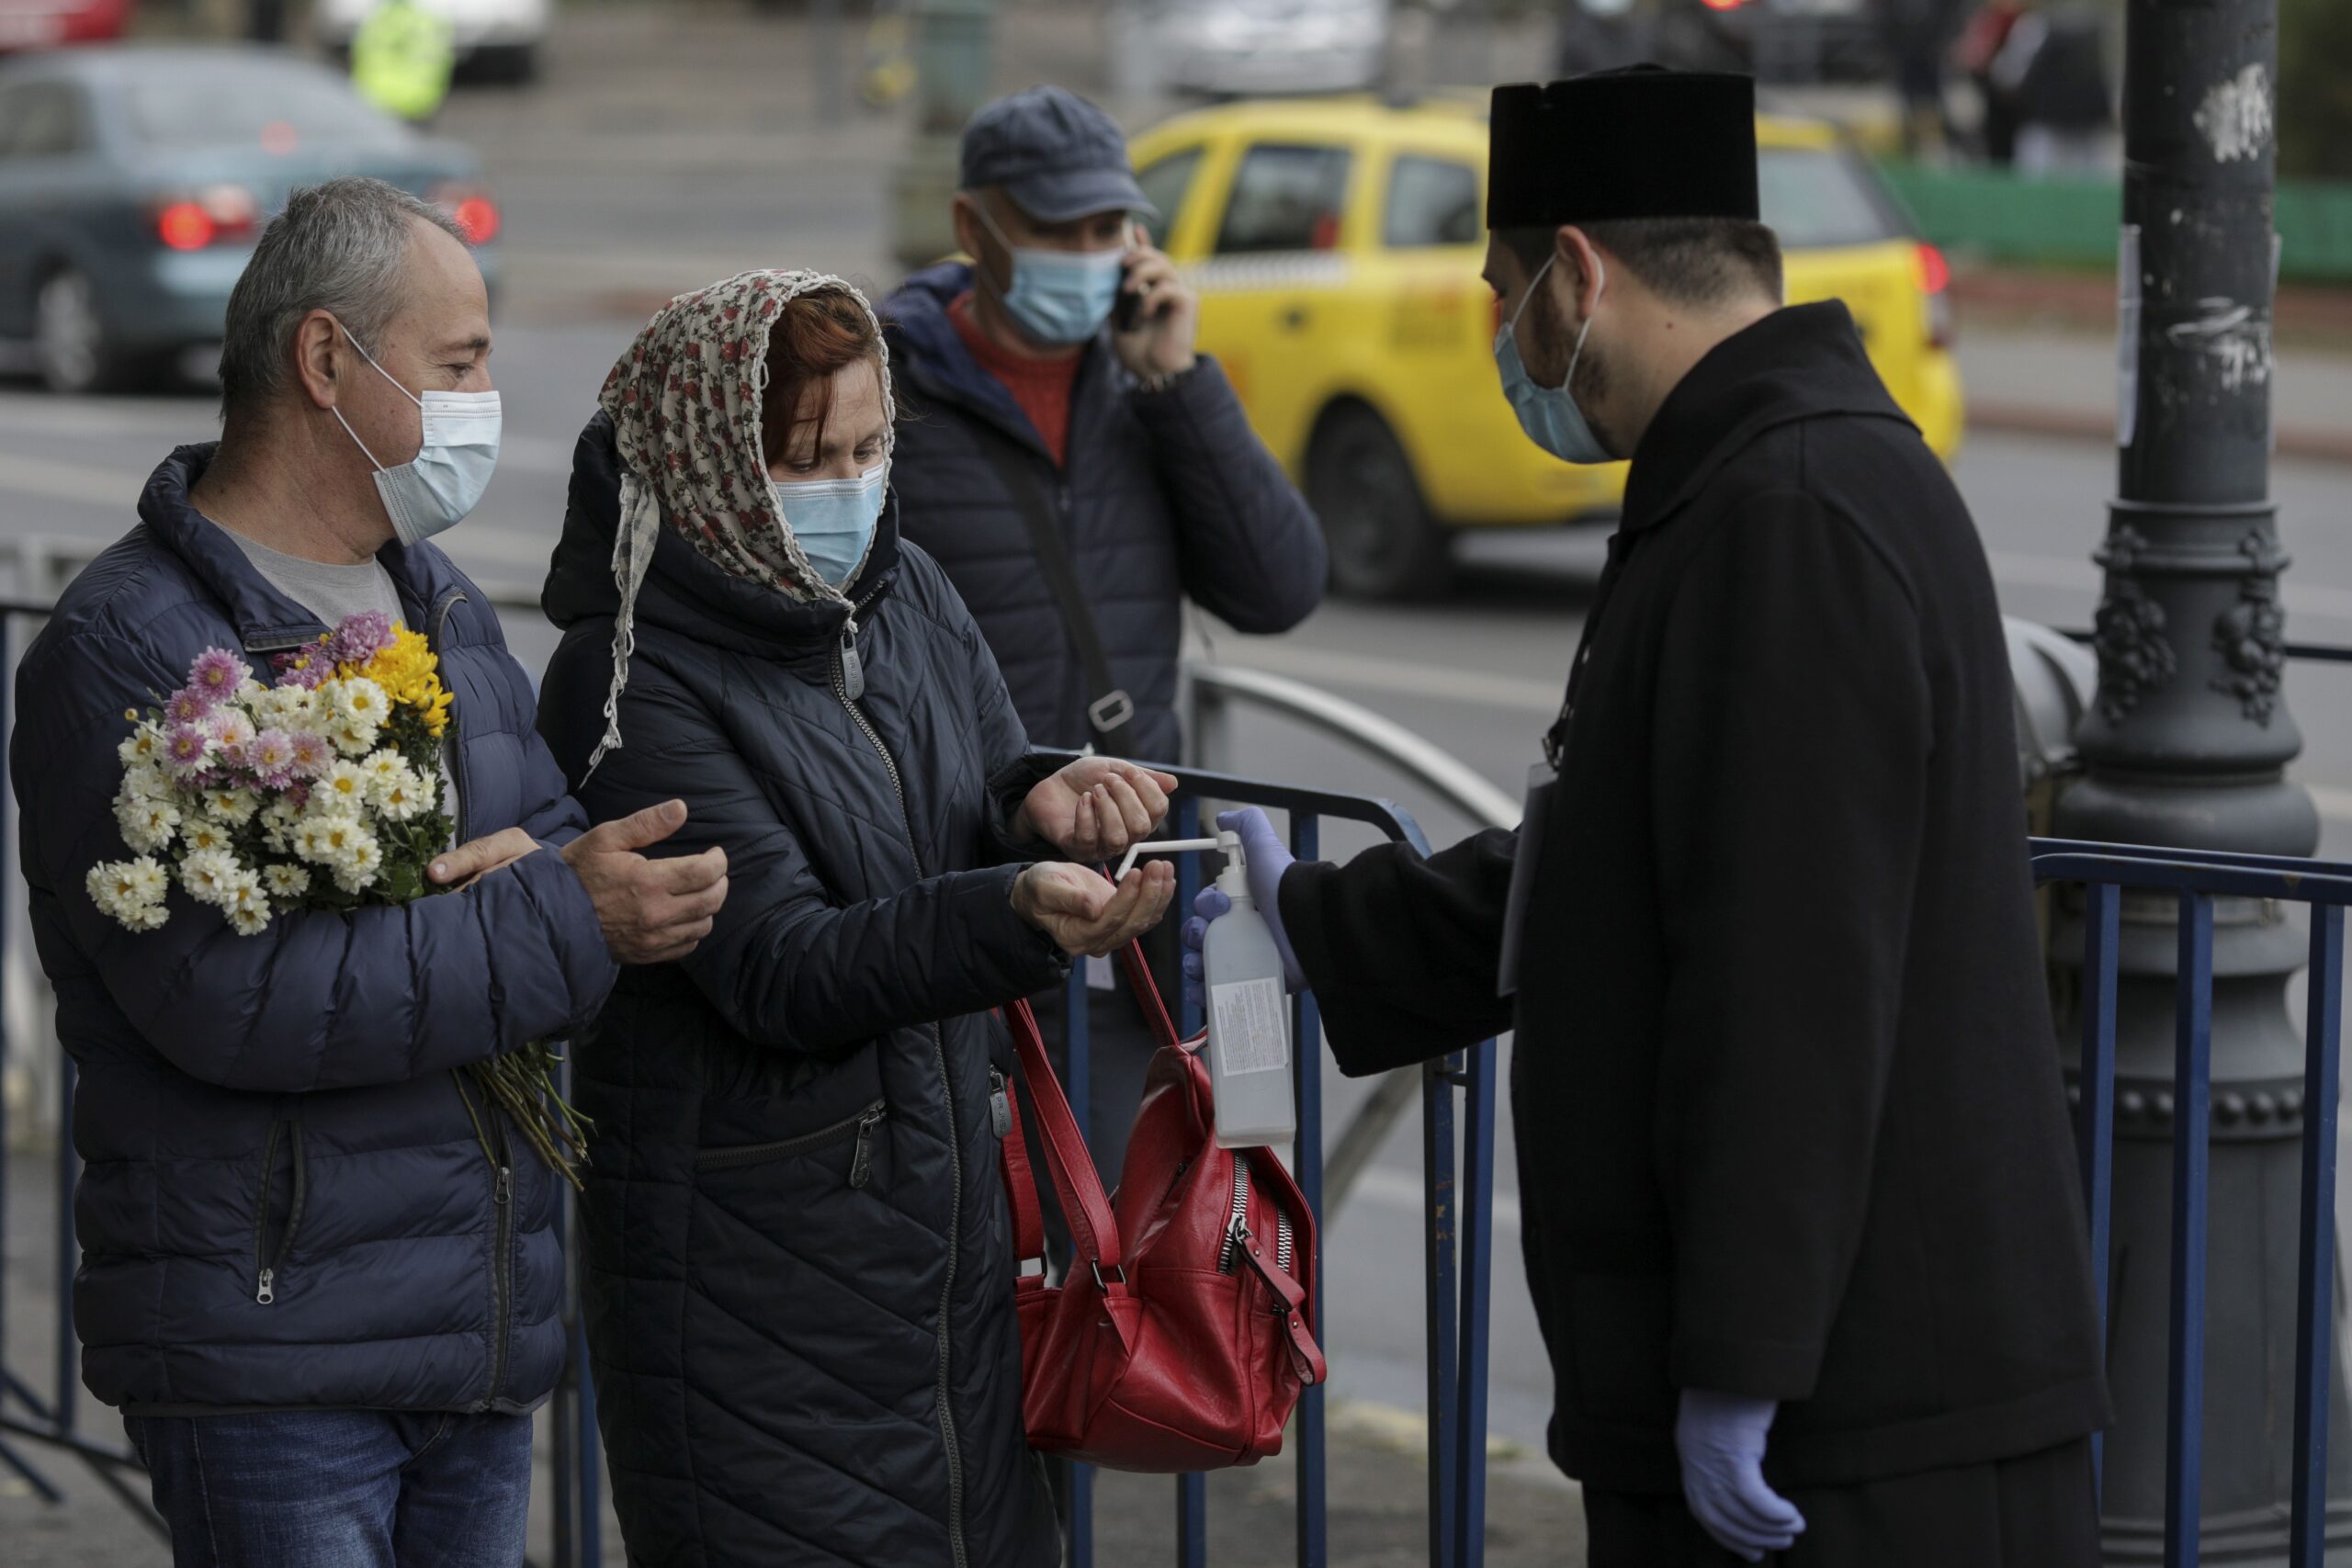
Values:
[(319, 1279)]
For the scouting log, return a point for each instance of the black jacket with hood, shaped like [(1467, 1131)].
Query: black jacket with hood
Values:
[(798, 1268)]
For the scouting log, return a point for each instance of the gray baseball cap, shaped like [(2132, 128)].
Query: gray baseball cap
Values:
[(1058, 156)]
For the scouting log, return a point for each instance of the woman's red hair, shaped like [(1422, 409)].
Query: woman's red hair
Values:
[(813, 336)]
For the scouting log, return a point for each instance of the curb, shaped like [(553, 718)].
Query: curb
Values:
[(2306, 442)]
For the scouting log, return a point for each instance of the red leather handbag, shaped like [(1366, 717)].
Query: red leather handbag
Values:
[(1185, 1333)]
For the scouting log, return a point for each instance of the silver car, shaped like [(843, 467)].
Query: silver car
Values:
[(134, 181), (1257, 48)]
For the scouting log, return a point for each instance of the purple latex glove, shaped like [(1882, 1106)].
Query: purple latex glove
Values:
[(1269, 857), (1720, 1438)]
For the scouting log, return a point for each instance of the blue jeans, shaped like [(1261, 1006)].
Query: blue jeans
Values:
[(340, 1488)]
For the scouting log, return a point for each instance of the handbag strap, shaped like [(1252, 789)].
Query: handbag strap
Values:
[(1021, 1184), (1094, 1230), (1108, 707)]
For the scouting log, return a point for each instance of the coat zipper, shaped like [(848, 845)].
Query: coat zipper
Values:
[(502, 1266), (861, 1165), (844, 661), (268, 1262), (451, 751)]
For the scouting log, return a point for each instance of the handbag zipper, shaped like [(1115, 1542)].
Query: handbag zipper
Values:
[(861, 1126), (1239, 1222), (844, 659)]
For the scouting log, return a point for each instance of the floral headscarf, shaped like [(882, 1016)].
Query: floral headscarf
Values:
[(684, 402)]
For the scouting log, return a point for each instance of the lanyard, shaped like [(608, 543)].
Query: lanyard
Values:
[(1556, 740)]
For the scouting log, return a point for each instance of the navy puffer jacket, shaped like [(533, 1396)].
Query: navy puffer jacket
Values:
[(799, 1263), (1164, 495), (286, 1100)]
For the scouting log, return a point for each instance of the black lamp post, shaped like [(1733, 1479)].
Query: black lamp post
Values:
[(2187, 745)]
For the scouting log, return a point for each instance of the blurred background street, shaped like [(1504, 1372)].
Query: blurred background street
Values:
[(656, 147)]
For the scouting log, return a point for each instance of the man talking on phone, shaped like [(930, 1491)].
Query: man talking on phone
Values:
[(1080, 470)]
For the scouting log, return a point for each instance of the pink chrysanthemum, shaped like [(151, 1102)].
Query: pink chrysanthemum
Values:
[(269, 757), (187, 749), (305, 666), (188, 706), (234, 731), (312, 754), (216, 673), (360, 638)]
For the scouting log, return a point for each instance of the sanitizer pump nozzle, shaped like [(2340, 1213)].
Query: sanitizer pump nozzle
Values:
[(1249, 1044)]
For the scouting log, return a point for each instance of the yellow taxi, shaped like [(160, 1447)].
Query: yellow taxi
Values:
[(1336, 246)]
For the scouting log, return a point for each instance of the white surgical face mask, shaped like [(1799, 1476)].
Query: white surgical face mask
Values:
[(1549, 414), (431, 493), (833, 519), (1059, 297)]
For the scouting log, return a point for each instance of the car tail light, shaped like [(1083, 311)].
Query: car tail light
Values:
[(471, 207), (217, 213), (1724, 4), (1934, 274)]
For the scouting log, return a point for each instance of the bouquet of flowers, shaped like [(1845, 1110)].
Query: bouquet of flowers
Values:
[(321, 790)]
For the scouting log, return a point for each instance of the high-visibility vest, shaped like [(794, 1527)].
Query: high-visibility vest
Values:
[(401, 60)]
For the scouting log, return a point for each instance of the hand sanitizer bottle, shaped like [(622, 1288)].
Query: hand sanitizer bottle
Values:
[(1249, 1046)]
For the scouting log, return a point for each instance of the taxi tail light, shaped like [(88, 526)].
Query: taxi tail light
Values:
[(472, 209), (1935, 287), (210, 217)]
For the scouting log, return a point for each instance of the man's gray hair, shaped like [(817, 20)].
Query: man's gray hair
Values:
[(338, 247)]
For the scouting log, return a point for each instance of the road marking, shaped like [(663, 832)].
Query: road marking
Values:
[(1402, 678), (2305, 600)]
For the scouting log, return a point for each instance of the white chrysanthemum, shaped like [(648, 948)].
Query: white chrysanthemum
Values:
[(147, 824), (286, 881), (381, 766), (145, 782), (244, 902), (352, 738), (407, 798), (342, 791), (130, 892), (232, 808), (251, 692), (357, 863), (334, 838), (144, 747), (286, 707), (203, 835), (278, 823), (358, 700), (210, 875)]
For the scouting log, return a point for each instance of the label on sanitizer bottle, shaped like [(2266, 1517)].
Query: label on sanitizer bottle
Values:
[(1250, 1026)]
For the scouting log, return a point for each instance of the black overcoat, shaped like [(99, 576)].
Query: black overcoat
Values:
[(1790, 1117)]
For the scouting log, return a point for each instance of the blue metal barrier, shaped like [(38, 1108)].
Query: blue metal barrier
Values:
[(1457, 1242), (2196, 878)]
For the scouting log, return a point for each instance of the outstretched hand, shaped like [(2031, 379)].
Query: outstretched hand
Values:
[(1095, 807), (1086, 916)]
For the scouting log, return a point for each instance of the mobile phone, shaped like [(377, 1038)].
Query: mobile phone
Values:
[(1127, 314)]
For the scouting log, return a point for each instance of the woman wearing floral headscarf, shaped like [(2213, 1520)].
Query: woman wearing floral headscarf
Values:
[(799, 1276)]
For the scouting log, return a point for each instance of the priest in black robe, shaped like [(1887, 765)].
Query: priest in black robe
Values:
[(1802, 1216)]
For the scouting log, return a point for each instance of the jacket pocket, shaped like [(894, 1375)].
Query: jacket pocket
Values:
[(272, 1242), (857, 1131)]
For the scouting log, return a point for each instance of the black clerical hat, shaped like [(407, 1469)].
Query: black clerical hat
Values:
[(1642, 142)]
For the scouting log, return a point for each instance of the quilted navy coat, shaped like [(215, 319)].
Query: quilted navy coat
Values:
[(284, 1102), (1165, 495), (799, 1270)]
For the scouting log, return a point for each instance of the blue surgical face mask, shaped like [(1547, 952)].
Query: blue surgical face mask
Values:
[(1549, 414), (1059, 297), (833, 519), (433, 491)]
